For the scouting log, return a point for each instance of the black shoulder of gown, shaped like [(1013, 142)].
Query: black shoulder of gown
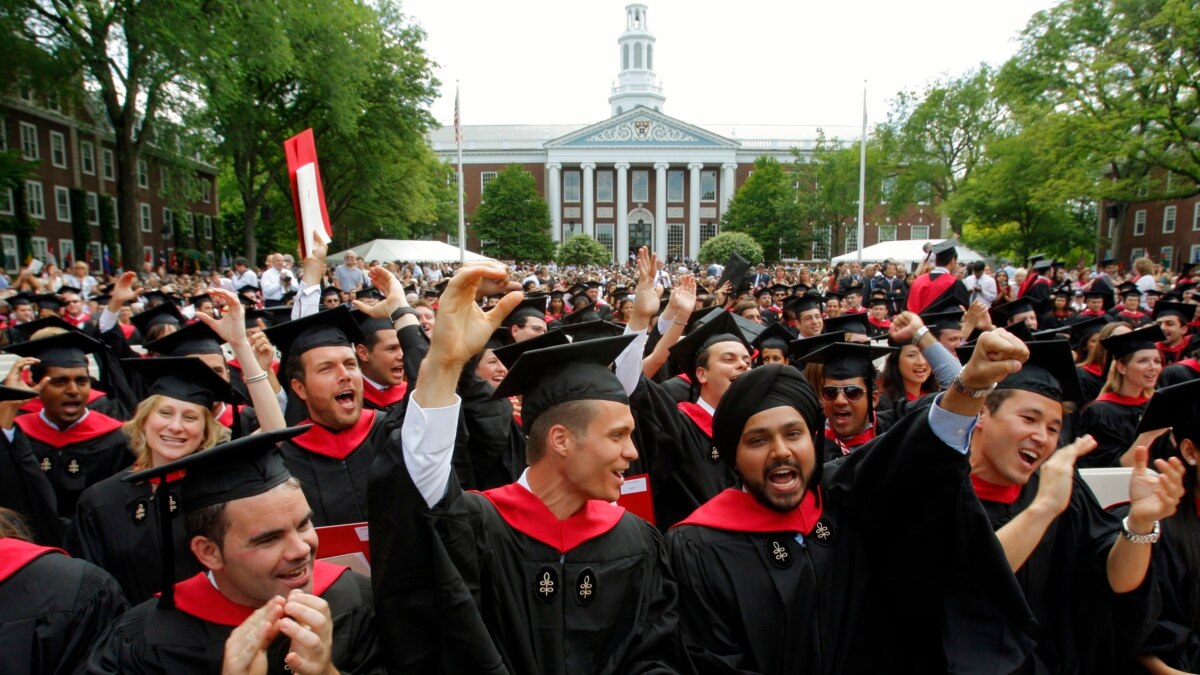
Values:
[(1114, 426)]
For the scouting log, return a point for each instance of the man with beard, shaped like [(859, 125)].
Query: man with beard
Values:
[(1084, 572), (1172, 318), (265, 603), (813, 573)]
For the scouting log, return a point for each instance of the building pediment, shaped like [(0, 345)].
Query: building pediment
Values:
[(642, 128)]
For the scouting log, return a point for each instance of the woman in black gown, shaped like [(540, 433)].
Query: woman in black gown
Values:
[(1112, 418)]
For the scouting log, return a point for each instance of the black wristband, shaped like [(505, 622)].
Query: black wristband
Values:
[(401, 311)]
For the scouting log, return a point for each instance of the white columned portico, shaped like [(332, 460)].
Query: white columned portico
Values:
[(621, 240), (728, 177), (589, 199), (693, 243), (554, 192), (660, 209)]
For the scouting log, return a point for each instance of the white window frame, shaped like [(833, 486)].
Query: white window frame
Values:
[(108, 164), (30, 150), (143, 174), (58, 149), (25, 93), (146, 217), (10, 251), (33, 187), (62, 204), (1167, 253), (206, 190), (3, 134), (7, 206), (485, 177), (65, 246), (1138, 252), (675, 187), (606, 234), (604, 186), (708, 231), (851, 242), (890, 229), (572, 186), (1139, 223), (206, 220), (87, 158), (675, 236), (822, 242), (706, 176), (148, 251), (920, 232), (164, 177), (1194, 253), (644, 177), (1196, 217), (54, 102), (168, 223), (96, 253), (40, 248), (1168, 223), (93, 208)]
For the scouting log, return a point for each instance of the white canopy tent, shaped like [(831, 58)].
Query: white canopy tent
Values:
[(909, 252), (406, 250)]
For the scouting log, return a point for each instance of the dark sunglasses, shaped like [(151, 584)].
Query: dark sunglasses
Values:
[(852, 392)]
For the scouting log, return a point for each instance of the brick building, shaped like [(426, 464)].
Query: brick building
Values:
[(73, 150), (641, 177), (1166, 231)]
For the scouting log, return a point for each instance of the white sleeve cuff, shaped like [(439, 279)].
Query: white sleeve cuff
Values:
[(427, 441)]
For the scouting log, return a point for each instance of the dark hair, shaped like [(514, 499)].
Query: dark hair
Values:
[(892, 382), (942, 259), (208, 522), (294, 367), (13, 526), (574, 415)]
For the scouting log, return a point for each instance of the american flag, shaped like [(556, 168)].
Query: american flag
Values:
[(457, 124)]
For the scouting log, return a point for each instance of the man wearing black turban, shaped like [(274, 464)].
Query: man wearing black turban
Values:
[(886, 564)]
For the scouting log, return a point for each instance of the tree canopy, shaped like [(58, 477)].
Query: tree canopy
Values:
[(581, 249), (719, 248), (764, 208), (512, 221)]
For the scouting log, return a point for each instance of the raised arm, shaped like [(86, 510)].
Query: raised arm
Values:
[(905, 328), (683, 301), (232, 329)]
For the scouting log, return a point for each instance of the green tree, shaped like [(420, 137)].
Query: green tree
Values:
[(828, 192), (764, 207), (719, 248), (581, 249), (512, 221), (135, 57)]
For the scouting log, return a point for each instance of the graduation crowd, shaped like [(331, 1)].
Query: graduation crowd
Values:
[(649, 468)]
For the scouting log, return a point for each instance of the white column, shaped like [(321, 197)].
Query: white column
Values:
[(660, 209), (621, 240), (693, 243), (728, 178), (589, 199), (554, 196)]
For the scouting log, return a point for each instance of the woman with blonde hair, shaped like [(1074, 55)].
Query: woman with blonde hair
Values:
[(116, 523), (1092, 369), (1112, 418)]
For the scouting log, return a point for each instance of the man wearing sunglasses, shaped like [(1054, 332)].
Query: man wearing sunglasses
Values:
[(848, 396)]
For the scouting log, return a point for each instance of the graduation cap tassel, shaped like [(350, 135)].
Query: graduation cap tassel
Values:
[(163, 502)]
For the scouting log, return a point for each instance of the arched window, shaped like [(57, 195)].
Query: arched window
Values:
[(637, 55), (625, 57), (649, 57)]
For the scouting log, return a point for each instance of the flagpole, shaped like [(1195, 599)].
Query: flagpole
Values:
[(462, 222), (862, 177)]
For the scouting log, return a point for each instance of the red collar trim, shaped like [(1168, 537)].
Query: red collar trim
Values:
[(336, 444), (77, 321), (911, 397), (685, 377), (1133, 315), (879, 324), (16, 554), (525, 513), (847, 445), (226, 417), (1123, 400), (171, 477), (34, 405), (1192, 363), (736, 511), (383, 399), (96, 424), (1089, 312), (990, 492), (197, 596), (698, 415), (127, 329), (1095, 369), (1176, 350)]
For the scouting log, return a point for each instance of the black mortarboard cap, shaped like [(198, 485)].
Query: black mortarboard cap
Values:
[(720, 328), (802, 303), (775, 336), (1176, 406), (801, 347), (529, 307), (847, 323), (1035, 258), (331, 290), (581, 314), (749, 329), (1102, 293), (333, 327), (272, 316), (1183, 310), (1186, 267), (765, 290), (200, 298), (1051, 333), (1064, 291), (1003, 314), (590, 330), (509, 354), (942, 320), (192, 339), (367, 293), (833, 295), (779, 288), (735, 271), (1108, 261), (943, 246), (48, 301), (156, 296), (16, 394), (576, 289), (1083, 329), (1123, 344), (845, 360), (166, 313), (853, 288), (1043, 265), (500, 337), (1128, 289), (20, 299), (1049, 370), (370, 324), (183, 378), (54, 321), (592, 284), (65, 350), (879, 302), (555, 375)]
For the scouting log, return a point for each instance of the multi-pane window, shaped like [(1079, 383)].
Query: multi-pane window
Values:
[(108, 166), (604, 186), (708, 231), (485, 178), (96, 253), (206, 191), (58, 150), (93, 208), (821, 244), (1168, 220), (851, 239), (641, 186), (604, 235), (572, 229), (40, 248), (708, 186), (8, 243), (87, 157), (887, 233), (168, 222), (1166, 256), (206, 220), (66, 251), (920, 232), (571, 186), (62, 204), (29, 142), (675, 240), (146, 218), (35, 199), (6, 202), (674, 186), (1139, 223), (1196, 217), (143, 173)]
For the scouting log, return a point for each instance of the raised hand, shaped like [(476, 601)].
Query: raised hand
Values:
[(308, 623), (246, 647), (645, 303), (904, 326), (1057, 475), (393, 292), (14, 379), (683, 296), (232, 326), (997, 354), (463, 328), (976, 316), (1153, 497), (122, 292)]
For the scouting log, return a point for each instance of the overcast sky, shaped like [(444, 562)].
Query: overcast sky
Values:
[(796, 62)]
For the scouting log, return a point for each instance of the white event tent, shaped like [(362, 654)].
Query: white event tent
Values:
[(406, 250), (907, 251)]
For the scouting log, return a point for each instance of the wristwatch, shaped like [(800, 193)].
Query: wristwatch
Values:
[(1140, 538), (921, 332), (401, 311), (963, 389)]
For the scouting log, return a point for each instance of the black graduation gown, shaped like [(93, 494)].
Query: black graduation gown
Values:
[(116, 528), (1065, 581), (26, 489), (77, 458), (53, 609), (334, 467), (495, 442), (1184, 371), (1113, 425), (1089, 383), (679, 389), (901, 573), (148, 639), (463, 588)]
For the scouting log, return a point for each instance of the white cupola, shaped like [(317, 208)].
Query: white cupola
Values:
[(636, 84)]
